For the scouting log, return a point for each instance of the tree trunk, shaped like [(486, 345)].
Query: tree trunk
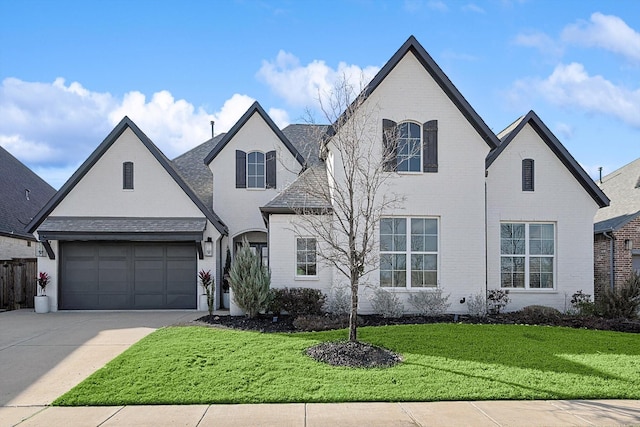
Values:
[(353, 317)]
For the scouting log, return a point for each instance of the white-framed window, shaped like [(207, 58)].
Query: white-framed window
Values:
[(409, 155), (527, 255), (306, 257), (409, 252), (255, 170)]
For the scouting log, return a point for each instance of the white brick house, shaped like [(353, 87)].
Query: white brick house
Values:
[(512, 211)]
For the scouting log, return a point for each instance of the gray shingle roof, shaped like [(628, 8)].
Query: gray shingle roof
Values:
[(122, 228), (622, 187), (306, 139), (15, 210), (303, 194), (191, 167)]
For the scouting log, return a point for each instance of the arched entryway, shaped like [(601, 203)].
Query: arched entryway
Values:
[(257, 241)]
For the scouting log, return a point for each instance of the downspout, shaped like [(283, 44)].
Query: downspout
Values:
[(611, 257), (220, 272), (486, 234)]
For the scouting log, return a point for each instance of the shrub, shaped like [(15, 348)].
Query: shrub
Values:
[(497, 299), (624, 302), (296, 301), (581, 304), (338, 302), (386, 304), (430, 303), (275, 304), (540, 314), (249, 281), (477, 305), (209, 287)]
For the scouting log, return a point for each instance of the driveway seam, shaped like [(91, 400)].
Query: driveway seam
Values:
[(409, 414), (111, 416), (485, 414)]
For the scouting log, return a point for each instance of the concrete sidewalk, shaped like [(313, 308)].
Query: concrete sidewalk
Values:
[(493, 413)]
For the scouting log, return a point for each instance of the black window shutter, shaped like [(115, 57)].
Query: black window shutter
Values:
[(127, 176), (389, 145), (528, 173), (241, 169), (271, 169), (430, 146)]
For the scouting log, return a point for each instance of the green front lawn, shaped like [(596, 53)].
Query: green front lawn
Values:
[(186, 365)]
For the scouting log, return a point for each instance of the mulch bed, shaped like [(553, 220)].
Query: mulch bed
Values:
[(284, 323)]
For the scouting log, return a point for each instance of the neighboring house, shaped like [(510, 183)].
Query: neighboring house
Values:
[(22, 195), (513, 211), (617, 228)]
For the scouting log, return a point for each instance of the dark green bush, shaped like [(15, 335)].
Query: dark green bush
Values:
[(623, 302), (296, 301)]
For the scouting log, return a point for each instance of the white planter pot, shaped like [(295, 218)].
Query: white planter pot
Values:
[(225, 300), (41, 303)]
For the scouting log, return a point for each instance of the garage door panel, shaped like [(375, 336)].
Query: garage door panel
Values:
[(125, 275)]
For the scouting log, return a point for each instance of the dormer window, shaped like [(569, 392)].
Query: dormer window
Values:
[(255, 169), (127, 176), (410, 147)]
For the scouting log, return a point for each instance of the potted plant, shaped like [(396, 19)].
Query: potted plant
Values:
[(41, 301), (209, 287), (225, 280)]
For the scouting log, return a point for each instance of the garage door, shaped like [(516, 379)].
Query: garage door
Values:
[(119, 275)]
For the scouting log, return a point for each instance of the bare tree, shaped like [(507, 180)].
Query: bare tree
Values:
[(345, 197)]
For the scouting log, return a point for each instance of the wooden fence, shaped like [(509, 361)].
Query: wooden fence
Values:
[(18, 283)]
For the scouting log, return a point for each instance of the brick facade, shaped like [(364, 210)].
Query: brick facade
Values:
[(623, 257)]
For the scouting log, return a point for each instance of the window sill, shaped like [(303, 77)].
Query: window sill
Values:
[(530, 291), (407, 290), (307, 278), (255, 189)]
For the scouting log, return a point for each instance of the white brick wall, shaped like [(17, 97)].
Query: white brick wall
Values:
[(557, 198), (239, 207)]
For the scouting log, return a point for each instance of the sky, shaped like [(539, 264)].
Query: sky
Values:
[(71, 70)]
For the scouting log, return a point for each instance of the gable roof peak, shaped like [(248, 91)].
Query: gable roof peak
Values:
[(545, 134), (412, 45), (254, 108), (97, 154)]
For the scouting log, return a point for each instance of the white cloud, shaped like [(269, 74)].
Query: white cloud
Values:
[(607, 32), (564, 130), (280, 117), (413, 6), (570, 86), (472, 7), (53, 127), (437, 5), (303, 85), (545, 44)]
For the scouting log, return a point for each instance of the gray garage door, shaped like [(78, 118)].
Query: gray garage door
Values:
[(125, 275)]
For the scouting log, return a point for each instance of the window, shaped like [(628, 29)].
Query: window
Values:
[(527, 255), (306, 264), (527, 175), (409, 146), (417, 243), (255, 170), (409, 154), (127, 176)]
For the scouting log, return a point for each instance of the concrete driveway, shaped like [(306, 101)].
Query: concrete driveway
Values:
[(43, 356)]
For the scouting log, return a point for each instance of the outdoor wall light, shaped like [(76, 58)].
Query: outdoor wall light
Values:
[(208, 247)]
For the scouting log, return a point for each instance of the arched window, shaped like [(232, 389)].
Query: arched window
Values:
[(255, 169), (409, 146), (409, 154)]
